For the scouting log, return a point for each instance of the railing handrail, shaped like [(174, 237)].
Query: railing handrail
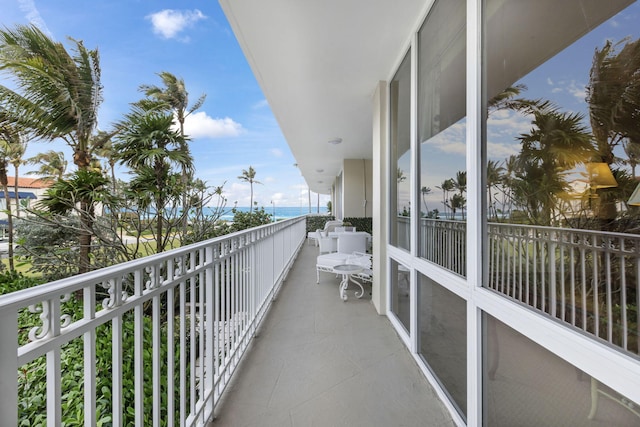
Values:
[(35, 294)]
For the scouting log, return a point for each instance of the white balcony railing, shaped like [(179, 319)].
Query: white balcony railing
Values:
[(178, 323), (587, 279)]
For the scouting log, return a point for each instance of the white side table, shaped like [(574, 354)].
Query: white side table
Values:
[(346, 270)]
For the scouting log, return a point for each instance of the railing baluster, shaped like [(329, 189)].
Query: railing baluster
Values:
[(192, 338), (155, 349), (171, 407), (572, 264), (138, 348), (8, 366), (596, 308), (623, 294), (183, 352), (209, 316), (201, 322), (552, 273), (116, 369), (89, 349), (609, 302)]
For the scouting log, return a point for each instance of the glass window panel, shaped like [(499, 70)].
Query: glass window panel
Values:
[(400, 294), (400, 128), (442, 133), (526, 385), (442, 320), (562, 141)]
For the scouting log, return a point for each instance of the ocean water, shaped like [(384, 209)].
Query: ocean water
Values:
[(279, 212)]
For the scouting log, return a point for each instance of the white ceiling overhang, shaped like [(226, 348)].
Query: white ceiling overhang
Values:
[(318, 63)]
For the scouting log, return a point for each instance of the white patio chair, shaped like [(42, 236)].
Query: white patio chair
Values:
[(364, 260), (349, 243), (326, 244), (312, 237), (339, 229)]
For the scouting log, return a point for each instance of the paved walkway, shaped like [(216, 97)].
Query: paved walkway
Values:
[(319, 361)]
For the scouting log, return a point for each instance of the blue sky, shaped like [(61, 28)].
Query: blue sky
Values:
[(191, 39)]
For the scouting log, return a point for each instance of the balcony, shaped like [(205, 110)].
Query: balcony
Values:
[(179, 324), (315, 359)]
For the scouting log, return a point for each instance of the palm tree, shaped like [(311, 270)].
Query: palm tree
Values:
[(557, 143), (494, 179), (425, 191), (249, 176), (457, 201), (150, 147), (15, 154), (633, 156), (447, 186), (57, 96), (8, 137), (174, 97), (612, 95), (460, 184), (102, 147), (52, 165)]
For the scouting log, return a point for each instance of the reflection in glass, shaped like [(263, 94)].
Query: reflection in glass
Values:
[(441, 132), (442, 321), (400, 135), (526, 385), (563, 141), (400, 294)]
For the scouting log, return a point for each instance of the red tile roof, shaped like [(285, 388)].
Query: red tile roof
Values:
[(29, 182)]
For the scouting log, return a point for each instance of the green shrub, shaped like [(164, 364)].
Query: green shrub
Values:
[(315, 222), (361, 224), (243, 220)]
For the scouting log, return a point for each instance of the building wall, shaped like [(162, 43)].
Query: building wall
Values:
[(357, 188)]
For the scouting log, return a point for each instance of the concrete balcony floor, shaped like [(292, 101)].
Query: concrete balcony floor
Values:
[(320, 361)]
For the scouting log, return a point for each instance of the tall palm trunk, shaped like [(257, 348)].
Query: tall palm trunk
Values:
[(82, 160), (15, 190), (4, 181)]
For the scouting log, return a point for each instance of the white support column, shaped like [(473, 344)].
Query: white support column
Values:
[(380, 198), (9, 366), (476, 248)]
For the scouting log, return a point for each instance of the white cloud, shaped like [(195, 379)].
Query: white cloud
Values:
[(260, 104), (168, 23), (276, 152), (33, 15), (577, 90), (200, 125), (451, 140), (549, 81), (496, 150), (278, 197)]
